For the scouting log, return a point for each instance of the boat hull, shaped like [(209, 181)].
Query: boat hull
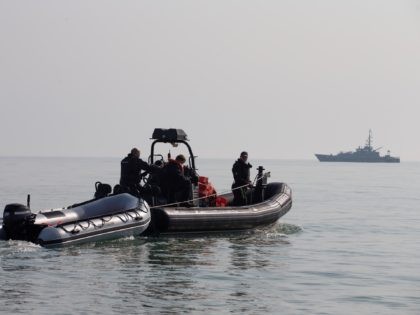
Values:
[(175, 220)]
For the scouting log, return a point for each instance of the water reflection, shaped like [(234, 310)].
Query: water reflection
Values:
[(16, 264), (161, 272), (179, 251), (167, 275), (187, 274), (249, 256), (252, 250)]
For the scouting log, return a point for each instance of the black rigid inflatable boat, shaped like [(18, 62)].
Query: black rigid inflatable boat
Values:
[(267, 202), (172, 220)]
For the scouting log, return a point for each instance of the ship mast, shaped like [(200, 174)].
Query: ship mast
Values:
[(369, 140)]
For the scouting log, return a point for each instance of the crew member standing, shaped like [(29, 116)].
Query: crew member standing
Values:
[(131, 167), (241, 175)]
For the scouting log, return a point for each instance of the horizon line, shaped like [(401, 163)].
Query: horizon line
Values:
[(117, 157)]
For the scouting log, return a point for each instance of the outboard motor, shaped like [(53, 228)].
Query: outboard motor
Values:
[(17, 222), (259, 193)]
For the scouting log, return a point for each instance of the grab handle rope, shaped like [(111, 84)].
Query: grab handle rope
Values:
[(212, 195)]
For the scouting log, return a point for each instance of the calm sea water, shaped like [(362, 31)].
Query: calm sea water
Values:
[(350, 245)]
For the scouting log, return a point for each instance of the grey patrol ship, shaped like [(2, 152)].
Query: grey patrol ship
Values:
[(365, 155)]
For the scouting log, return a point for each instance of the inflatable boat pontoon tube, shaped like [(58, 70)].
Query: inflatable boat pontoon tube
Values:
[(97, 220), (173, 220)]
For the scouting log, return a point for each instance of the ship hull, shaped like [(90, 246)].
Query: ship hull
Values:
[(353, 159)]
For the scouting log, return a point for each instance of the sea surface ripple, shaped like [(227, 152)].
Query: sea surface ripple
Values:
[(349, 245)]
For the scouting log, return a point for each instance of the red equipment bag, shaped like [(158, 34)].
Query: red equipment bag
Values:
[(221, 202), (206, 189)]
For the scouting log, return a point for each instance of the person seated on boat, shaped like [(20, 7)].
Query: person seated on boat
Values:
[(131, 172), (156, 177), (177, 186), (190, 174), (152, 189), (241, 175)]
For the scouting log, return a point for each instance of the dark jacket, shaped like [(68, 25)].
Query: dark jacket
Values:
[(174, 175), (131, 168), (241, 172)]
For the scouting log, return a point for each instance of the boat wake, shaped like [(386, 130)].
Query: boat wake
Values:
[(276, 234), (287, 228), (24, 252), (18, 247)]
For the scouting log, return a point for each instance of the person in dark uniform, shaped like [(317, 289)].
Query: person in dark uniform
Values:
[(131, 168), (178, 186), (241, 175)]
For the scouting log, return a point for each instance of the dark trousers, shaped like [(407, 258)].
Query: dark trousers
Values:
[(239, 195), (180, 192)]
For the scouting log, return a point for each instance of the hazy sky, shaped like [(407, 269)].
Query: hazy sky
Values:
[(281, 79)]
